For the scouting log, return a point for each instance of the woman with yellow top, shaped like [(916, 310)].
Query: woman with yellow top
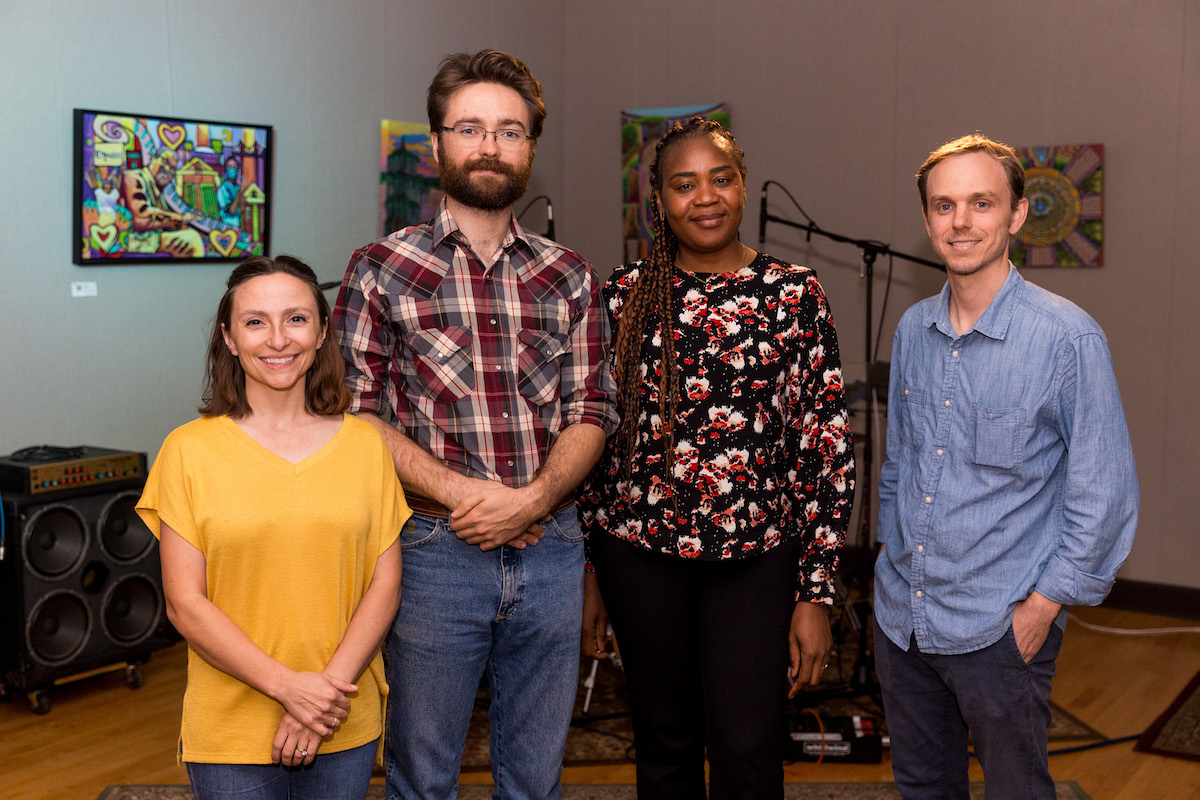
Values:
[(279, 517)]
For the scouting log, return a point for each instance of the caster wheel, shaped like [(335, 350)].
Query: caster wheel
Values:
[(134, 678), (39, 702)]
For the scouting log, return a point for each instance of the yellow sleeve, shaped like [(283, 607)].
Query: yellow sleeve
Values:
[(166, 497), (394, 510)]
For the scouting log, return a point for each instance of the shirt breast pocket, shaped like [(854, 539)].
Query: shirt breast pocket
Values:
[(539, 357), (999, 437), (442, 362), (914, 413)]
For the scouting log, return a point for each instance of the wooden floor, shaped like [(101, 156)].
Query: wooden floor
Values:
[(99, 732)]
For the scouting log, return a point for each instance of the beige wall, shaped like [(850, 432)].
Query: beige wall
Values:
[(840, 102)]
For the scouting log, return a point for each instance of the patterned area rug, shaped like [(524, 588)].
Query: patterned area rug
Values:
[(603, 734), (1177, 732), (793, 791)]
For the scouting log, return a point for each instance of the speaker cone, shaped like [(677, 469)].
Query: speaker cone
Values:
[(58, 628), (123, 535), (55, 540), (132, 609)]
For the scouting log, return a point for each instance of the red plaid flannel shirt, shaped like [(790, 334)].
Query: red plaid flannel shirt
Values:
[(481, 367)]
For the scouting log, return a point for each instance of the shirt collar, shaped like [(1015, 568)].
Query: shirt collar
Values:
[(444, 225), (993, 323)]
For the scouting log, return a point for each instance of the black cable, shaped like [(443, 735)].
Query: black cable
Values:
[(887, 290), (795, 202), (1133, 737), (47, 452), (529, 205)]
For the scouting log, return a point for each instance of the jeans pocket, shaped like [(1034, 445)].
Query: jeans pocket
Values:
[(1010, 642), (418, 531), (570, 532)]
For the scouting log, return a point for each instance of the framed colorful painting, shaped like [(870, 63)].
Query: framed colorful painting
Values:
[(1065, 224), (168, 190)]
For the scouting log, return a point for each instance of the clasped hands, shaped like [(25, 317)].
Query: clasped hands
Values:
[(315, 704), (489, 514)]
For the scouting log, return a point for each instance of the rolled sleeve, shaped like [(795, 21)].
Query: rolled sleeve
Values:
[(1101, 495), (359, 323), (587, 390)]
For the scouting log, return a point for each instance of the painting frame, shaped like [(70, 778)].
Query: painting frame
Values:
[(165, 189)]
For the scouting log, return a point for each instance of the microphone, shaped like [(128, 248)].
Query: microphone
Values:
[(762, 216), (549, 220)]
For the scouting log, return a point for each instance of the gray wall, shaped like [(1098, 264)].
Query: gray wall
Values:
[(123, 369), (839, 102)]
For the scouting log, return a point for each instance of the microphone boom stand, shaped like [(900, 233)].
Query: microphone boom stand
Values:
[(863, 680)]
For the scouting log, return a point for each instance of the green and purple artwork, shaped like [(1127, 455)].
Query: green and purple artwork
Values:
[(1065, 225)]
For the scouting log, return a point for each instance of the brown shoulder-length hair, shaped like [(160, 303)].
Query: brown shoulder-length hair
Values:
[(325, 389)]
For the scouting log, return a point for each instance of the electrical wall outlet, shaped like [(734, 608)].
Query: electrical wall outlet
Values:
[(84, 289)]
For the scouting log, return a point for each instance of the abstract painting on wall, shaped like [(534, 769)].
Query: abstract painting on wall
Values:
[(640, 131), (409, 190), (166, 189), (1065, 226)]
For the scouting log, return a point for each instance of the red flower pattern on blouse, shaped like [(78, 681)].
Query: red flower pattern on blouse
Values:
[(762, 440)]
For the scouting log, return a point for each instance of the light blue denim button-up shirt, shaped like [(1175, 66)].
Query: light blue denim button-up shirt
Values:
[(1009, 469)]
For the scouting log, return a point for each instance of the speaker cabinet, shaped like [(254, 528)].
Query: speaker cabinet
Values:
[(80, 590)]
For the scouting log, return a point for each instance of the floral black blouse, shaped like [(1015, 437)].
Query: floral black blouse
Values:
[(762, 441)]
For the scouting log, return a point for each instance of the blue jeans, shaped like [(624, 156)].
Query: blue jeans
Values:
[(334, 776), (511, 614), (931, 701)]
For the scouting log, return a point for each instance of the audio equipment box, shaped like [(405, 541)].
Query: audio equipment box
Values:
[(80, 579), (47, 471)]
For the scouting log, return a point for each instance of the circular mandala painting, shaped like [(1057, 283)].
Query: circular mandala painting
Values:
[(1065, 224)]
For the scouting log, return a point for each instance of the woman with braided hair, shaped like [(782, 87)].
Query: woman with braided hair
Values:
[(715, 518)]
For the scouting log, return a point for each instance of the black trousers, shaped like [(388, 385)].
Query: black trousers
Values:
[(704, 646)]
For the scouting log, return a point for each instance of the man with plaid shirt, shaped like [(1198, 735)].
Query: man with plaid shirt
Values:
[(480, 351)]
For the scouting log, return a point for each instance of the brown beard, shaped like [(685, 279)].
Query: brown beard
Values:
[(485, 194)]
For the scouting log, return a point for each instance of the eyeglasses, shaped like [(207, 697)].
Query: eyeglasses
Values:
[(473, 136)]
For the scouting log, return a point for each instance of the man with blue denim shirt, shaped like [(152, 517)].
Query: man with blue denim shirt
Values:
[(480, 352), (1008, 493)]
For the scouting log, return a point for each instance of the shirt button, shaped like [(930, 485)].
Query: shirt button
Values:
[(906, 392), (499, 367), (955, 354), (505, 415), (493, 321), (510, 463), (928, 500), (947, 404), (939, 451), (920, 593), (920, 548)]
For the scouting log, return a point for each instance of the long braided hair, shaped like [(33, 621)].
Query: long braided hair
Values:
[(649, 302)]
